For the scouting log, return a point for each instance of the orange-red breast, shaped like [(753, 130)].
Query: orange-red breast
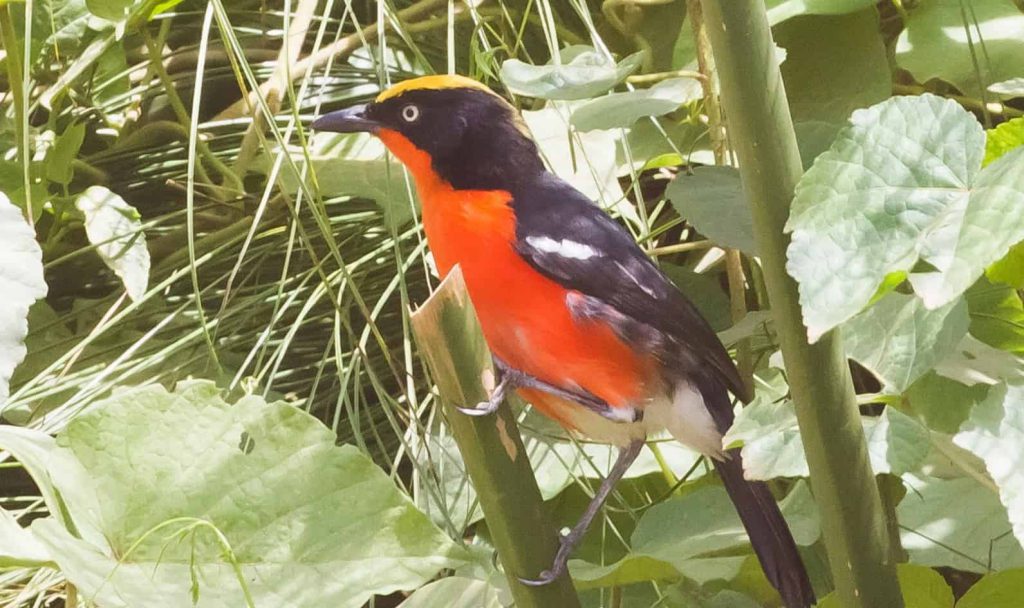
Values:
[(593, 333)]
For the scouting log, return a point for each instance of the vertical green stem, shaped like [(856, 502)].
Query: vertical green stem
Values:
[(449, 338), (15, 78), (761, 133)]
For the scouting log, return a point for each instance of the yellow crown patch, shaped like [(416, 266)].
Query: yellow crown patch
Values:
[(441, 81)]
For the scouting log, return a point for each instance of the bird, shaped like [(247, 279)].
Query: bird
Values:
[(581, 323)]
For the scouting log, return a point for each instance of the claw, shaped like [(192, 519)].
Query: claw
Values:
[(546, 578), (485, 408)]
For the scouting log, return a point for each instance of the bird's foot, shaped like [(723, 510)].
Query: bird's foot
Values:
[(560, 565), (485, 408)]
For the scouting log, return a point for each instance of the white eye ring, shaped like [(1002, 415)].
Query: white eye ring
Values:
[(410, 113)]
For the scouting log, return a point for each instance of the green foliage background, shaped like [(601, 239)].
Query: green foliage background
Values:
[(163, 226)]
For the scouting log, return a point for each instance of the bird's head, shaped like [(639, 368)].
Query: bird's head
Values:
[(450, 128)]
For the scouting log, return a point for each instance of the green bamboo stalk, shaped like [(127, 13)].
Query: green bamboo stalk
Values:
[(761, 131), (448, 336)]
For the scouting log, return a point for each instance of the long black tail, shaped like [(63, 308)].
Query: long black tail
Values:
[(769, 534)]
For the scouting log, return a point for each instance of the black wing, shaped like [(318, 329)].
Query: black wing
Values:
[(566, 237)]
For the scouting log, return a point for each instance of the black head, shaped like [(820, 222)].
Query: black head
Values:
[(474, 138)]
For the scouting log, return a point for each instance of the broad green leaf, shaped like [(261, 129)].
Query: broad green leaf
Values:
[(902, 184), (712, 200), (936, 43), (975, 362), (997, 590), (834, 64), (704, 524), (1003, 138), (310, 523), (583, 73), (769, 434), (997, 316), (620, 110), (956, 523), (64, 150), (995, 433), (1010, 269), (18, 547), (941, 403), (1013, 87), (454, 592), (899, 340), (922, 588), (21, 282), (115, 228)]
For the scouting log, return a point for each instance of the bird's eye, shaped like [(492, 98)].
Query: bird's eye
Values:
[(410, 113)]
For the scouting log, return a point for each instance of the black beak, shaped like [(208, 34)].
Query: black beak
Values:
[(349, 120)]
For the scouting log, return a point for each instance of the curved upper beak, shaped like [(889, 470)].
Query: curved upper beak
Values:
[(349, 120)]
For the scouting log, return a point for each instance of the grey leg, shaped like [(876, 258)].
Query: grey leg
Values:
[(569, 542)]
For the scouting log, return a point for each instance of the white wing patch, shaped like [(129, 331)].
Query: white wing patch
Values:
[(565, 247)]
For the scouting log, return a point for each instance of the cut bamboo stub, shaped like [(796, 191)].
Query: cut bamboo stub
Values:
[(450, 341)]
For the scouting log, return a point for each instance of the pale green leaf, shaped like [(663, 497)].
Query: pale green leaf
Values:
[(901, 184), (997, 590), (310, 523), (583, 73), (585, 160), (899, 340), (941, 403), (712, 200), (115, 228), (21, 282), (936, 43), (995, 433), (454, 592), (704, 524), (834, 64), (957, 523), (1013, 87), (780, 10), (975, 362), (620, 110), (768, 432), (18, 547)]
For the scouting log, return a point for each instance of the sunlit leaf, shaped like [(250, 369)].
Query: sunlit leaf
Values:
[(454, 592), (18, 547), (310, 523), (115, 228), (902, 184), (583, 73), (768, 432), (21, 282), (995, 433), (619, 110), (995, 590), (898, 339), (997, 316), (957, 523), (943, 404), (936, 43)]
